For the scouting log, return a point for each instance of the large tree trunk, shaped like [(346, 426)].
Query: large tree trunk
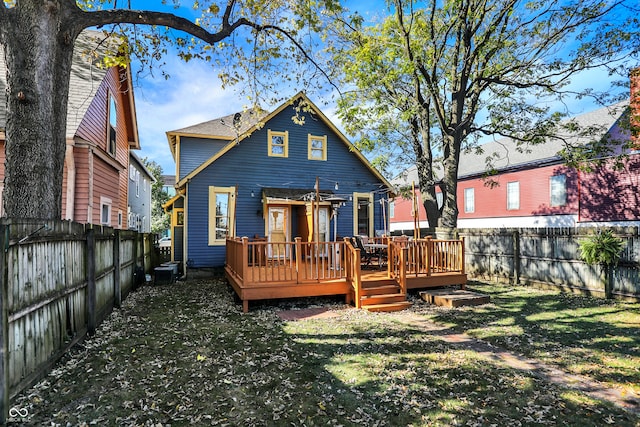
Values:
[(38, 56), (449, 217)]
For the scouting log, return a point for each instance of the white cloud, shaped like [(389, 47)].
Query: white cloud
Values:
[(191, 95)]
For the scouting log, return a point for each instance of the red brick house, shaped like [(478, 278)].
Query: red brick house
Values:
[(534, 187), (101, 129)]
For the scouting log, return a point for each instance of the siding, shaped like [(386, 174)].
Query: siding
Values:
[(81, 155), (93, 128), (196, 151), (249, 167), (491, 202)]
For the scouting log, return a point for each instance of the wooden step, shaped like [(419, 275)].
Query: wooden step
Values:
[(382, 299), (395, 306), (454, 297), (390, 288)]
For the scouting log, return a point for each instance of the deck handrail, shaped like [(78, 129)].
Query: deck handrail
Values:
[(427, 256), (352, 266), (260, 262)]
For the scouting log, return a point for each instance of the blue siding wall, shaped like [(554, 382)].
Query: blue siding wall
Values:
[(250, 168), (196, 151)]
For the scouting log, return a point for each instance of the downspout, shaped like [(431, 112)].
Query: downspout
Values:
[(71, 182)]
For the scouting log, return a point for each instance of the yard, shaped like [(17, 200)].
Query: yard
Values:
[(185, 354)]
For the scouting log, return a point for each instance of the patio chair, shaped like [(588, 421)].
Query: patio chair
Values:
[(365, 255)]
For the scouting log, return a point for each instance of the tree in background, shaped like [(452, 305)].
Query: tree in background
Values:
[(248, 39), (433, 77), (160, 220)]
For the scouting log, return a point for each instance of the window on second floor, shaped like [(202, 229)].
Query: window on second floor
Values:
[(392, 209), (111, 126), (558, 190), (317, 147), (278, 143), (513, 195), (469, 200)]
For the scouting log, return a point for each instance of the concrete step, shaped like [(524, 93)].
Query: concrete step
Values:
[(396, 306)]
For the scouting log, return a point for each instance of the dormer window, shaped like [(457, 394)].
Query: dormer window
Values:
[(111, 126), (278, 143)]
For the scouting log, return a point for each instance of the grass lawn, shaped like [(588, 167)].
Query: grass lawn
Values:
[(185, 355)]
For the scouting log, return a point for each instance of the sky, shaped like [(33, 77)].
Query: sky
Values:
[(193, 93)]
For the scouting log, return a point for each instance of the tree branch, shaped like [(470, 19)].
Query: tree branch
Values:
[(145, 17)]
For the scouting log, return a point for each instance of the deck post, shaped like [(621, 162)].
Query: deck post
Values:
[(462, 261), (404, 256), (357, 278), (430, 246), (245, 258), (298, 255)]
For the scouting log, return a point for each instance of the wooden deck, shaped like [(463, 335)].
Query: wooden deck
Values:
[(263, 270)]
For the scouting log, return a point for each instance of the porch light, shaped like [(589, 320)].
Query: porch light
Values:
[(253, 194), (336, 187)]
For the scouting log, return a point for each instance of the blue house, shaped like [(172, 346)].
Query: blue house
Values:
[(272, 177)]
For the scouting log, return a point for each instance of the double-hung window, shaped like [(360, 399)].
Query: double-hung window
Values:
[(469, 200), (317, 147), (513, 195), (278, 143), (558, 190)]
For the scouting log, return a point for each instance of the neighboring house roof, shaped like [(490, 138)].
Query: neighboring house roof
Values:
[(141, 165), (251, 121), (506, 154), (86, 77)]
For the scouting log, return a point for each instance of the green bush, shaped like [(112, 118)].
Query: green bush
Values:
[(601, 248)]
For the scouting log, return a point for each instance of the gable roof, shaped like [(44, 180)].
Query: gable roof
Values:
[(141, 166), (507, 155), (86, 76), (252, 121)]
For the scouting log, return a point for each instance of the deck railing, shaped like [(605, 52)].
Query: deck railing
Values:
[(426, 256), (260, 262)]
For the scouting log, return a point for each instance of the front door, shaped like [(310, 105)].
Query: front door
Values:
[(278, 231)]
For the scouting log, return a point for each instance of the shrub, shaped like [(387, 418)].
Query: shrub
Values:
[(601, 248)]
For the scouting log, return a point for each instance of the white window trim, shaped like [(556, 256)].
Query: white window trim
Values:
[(105, 201), (564, 190), (513, 205), (469, 202)]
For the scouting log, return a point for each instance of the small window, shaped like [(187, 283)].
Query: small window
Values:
[(513, 195), (558, 190), (105, 211), (392, 209), (439, 199), (278, 144), (317, 147), (111, 128), (137, 184), (119, 219), (469, 200)]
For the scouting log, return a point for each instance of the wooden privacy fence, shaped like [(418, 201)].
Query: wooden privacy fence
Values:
[(59, 281), (550, 256)]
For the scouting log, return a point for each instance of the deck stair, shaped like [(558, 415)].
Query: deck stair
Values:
[(383, 295)]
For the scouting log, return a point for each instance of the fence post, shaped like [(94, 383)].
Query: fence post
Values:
[(4, 326), (91, 280), (516, 257), (117, 291)]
